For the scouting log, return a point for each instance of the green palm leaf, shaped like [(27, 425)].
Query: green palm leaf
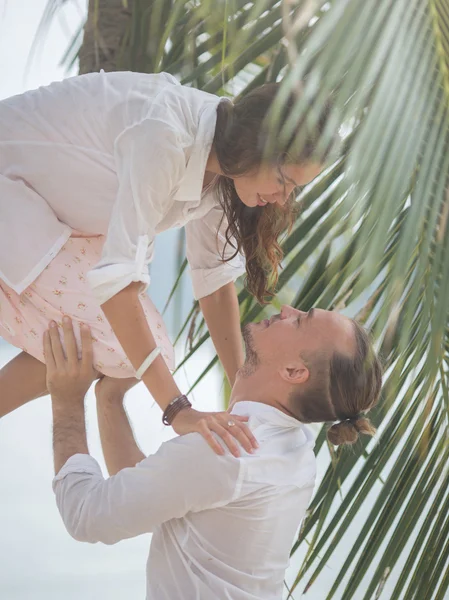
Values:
[(371, 240)]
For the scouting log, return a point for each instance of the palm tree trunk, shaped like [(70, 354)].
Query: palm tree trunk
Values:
[(105, 29)]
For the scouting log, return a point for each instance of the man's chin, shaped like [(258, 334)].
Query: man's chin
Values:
[(246, 329)]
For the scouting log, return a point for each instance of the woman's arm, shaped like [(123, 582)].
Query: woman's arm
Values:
[(222, 315), (125, 314)]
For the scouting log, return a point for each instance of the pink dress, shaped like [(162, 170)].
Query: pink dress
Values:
[(62, 289)]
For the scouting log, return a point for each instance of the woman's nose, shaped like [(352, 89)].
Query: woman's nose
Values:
[(281, 198)]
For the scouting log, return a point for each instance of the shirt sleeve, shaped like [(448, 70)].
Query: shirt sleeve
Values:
[(150, 164), (184, 475), (205, 241)]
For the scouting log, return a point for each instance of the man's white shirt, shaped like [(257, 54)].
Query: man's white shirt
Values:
[(222, 526)]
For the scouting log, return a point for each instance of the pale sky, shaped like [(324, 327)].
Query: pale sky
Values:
[(19, 21)]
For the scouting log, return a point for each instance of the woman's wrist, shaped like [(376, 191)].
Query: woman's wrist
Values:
[(174, 408)]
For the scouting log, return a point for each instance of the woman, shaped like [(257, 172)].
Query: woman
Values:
[(102, 163)]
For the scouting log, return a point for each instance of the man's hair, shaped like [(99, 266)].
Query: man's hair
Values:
[(340, 388)]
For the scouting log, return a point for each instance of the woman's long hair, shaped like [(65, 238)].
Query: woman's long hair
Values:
[(240, 144)]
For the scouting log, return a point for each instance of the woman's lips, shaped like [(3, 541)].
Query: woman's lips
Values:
[(260, 202)]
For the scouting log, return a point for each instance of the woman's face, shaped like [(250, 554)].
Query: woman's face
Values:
[(273, 184)]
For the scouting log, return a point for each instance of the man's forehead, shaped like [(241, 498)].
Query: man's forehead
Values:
[(336, 328)]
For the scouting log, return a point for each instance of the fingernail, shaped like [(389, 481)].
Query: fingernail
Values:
[(66, 319), (52, 324)]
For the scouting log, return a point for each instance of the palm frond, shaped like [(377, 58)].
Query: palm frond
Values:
[(372, 240)]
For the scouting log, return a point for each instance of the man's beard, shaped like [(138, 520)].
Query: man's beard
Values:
[(252, 360)]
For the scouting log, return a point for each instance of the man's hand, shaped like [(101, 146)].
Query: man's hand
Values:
[(68, 377)]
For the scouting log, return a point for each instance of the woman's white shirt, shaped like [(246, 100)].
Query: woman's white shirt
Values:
[(118, 154)]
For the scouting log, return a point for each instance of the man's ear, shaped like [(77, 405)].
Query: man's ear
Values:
[(295, 373)]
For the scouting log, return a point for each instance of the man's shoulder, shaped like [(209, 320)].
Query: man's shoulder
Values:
[(194, 444), (190, 459)]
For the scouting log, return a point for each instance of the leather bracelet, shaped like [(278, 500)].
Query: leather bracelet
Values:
[(174, 408)]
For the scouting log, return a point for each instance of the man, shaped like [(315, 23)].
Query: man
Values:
[(223, 526)]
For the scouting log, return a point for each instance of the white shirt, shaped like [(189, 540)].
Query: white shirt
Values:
[(223, 527), (119, 154)]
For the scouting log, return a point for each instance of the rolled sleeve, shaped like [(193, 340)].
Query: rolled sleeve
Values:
[(183, 476), (205, 241), (150, 164)]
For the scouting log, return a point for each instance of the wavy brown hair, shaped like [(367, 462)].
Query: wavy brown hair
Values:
[(241, 146)]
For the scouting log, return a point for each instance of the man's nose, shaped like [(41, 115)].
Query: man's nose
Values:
[(288, 311)]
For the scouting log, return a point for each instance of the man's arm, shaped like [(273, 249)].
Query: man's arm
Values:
[(68, 379), (183, 476), (120, 448), (69, 432)]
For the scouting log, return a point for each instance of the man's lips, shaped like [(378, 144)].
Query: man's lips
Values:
[(268, 322)]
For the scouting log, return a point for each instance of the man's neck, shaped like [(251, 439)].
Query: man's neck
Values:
[(254, 388)]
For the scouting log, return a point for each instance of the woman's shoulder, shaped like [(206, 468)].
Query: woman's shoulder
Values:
[(185, 107)]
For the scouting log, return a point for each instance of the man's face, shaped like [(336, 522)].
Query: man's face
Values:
[(278, 343)]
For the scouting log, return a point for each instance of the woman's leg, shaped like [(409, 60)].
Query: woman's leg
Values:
[(62, 289), (24, 379), (21, 380)]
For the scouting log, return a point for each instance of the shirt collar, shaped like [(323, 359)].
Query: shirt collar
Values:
[(271, 415), (191, 185)]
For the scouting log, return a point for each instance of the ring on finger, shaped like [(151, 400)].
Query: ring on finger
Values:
[(231, 423)]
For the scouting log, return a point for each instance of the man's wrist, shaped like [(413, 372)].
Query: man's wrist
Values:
[(69, 430), (69, 399)]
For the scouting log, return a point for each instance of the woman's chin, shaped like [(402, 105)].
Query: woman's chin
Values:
[(252, 203)]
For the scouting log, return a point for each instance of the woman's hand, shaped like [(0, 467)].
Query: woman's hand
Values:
[(228, 426)]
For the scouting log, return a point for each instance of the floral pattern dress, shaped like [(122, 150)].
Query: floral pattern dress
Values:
[(62, 289)]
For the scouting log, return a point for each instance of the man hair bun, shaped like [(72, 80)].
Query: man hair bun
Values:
[(347, 431)]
